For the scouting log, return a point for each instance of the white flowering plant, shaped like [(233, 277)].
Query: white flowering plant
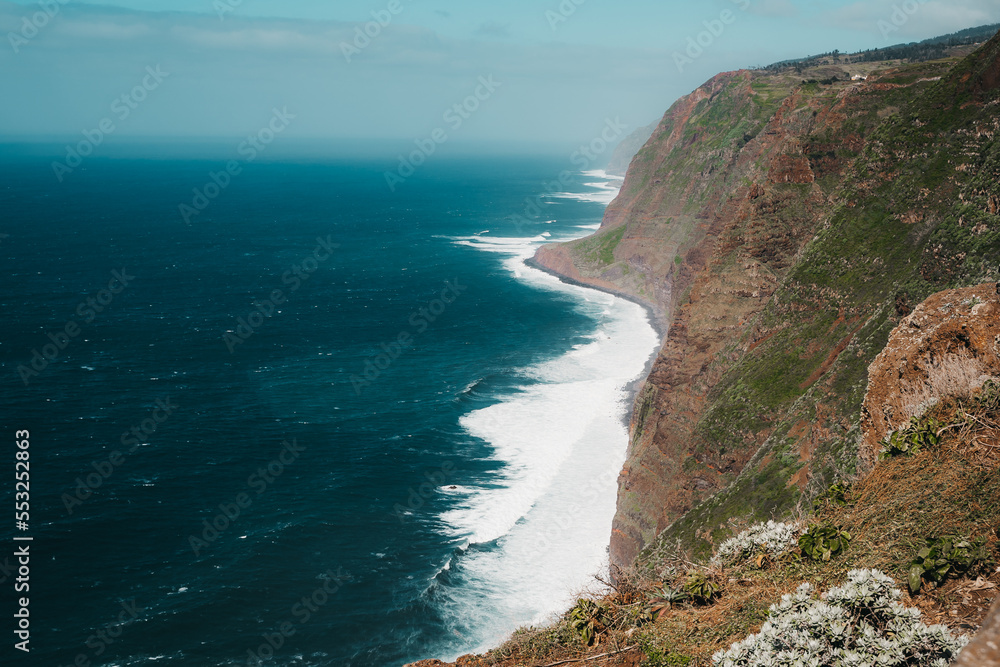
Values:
[(859, 624), (772, 538)]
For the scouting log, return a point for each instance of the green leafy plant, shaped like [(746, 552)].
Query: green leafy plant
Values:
[(943, 557), (989, 396), (913, 438), (835, 495), (823, 542), (661, 601), (701, 589), (659, 652), (588, 619)]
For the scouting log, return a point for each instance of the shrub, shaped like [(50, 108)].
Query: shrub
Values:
[(659, 652), (588, 619), (836, 495), (701, 588), (859, 624), (910, 440), (770, 538), (535, 643), (944, 557), (989, 397), (823, 542), (661, 601)]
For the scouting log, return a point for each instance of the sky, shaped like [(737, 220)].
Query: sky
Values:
[(519, 71)]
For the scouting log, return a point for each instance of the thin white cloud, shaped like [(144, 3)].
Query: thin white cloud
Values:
[(259, 39), (225, 74), (925, 19), (493, 29), (102, 30), (773, 8)]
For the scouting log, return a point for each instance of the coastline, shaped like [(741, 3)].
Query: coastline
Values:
[(587, 396), (656, 319), (543, 533)]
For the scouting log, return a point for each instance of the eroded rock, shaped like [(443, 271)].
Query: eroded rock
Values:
[(949, 345)]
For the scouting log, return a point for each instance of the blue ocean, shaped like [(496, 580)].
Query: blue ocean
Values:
[(318, 422)]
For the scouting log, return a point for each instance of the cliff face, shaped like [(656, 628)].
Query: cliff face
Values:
[(783, 229)]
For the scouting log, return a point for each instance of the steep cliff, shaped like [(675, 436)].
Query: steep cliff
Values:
[(622, 156), (783, 223)]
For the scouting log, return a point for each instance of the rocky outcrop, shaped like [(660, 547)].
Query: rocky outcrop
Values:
[(984, 649), (558, 260), (783, 229), (948, 346)]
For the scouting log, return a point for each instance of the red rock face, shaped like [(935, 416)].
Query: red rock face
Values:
[(791, 169), (714, 224), (726, 255), (986, 77), (949, 345)]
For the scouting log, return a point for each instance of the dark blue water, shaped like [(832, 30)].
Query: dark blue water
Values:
[(341, 542)]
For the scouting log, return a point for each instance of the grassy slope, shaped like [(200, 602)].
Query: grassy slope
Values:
[(952, 489)]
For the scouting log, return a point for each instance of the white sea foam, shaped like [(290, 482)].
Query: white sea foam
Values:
[(605, 189), (603, 196), (562, 439), (600, 173)]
